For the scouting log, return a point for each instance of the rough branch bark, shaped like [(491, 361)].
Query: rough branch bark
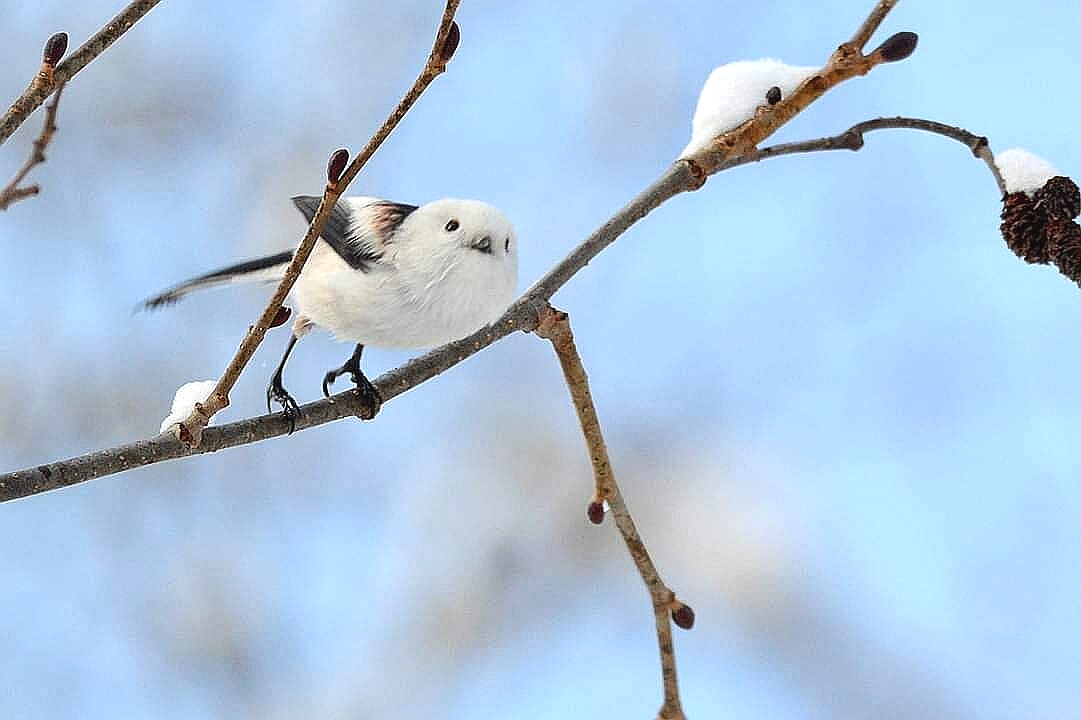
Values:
[(683, 176), (40, 88)]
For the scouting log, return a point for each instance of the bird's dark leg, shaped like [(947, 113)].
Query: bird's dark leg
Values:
[(368, 394), (276, 393)]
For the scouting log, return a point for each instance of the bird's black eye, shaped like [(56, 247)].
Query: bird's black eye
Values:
[(451, 225), (506, 245)]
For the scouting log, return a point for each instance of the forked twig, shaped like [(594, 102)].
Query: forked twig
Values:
[(847, 62), (190, 432), (13, 192), (42, 86), (554, 326)]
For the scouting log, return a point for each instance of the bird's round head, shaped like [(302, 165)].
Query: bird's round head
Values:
[(466, 253)]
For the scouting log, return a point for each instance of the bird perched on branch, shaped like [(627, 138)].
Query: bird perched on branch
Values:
[(386, 274)]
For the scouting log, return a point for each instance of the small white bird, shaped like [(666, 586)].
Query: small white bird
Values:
[(389, 275)]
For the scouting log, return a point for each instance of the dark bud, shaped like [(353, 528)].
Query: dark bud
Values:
[(454, 36), (281, 317), (897, 47), (773, 95), (336, 165), (683, 616), (1059, 199), (595, 512), (1024, 228), (1064, 242), (55, 48)]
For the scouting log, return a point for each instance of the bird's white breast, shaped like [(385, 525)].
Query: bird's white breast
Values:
[(399, 304)]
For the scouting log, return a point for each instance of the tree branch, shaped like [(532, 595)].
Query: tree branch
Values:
[(683, 176), (847, 62), (12, 192), (870, 25), (852, 139), (190, 431), (43, 84), (554, 326)]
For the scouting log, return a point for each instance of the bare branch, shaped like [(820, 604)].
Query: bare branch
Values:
[(555, 326), (446, 42), (12, 192), (44, 83), (852, 139), (867, 29)]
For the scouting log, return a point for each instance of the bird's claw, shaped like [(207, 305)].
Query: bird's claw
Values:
[(278, 394), (329, 379), (369, 395)]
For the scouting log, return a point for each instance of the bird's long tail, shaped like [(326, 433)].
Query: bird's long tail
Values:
[(265, 269)]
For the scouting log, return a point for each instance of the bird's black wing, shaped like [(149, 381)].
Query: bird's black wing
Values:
[(360, 244)]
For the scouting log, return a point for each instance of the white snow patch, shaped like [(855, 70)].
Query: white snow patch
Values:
[(184, 401), (733, 92), (1024, 171)]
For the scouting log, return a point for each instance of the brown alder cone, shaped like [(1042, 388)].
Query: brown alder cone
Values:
[(1064, 242), (1059, 199), (1024, 228)]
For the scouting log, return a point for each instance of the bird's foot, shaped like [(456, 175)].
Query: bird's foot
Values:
[(369, 395), (278, 394)]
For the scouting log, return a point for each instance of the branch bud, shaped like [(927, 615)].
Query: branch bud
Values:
[(450, 44), (281, 317), (336, 165), (55, 47), (683, 615), (897, 47), (595, 512), (773, 95)]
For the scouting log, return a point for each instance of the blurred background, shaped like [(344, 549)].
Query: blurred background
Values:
[(844, 414)]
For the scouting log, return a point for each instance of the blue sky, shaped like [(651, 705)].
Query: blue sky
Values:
[(842, 410)]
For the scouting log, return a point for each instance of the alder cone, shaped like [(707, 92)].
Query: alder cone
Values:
[(1024, 228), (1064, 241), (1059, 198)]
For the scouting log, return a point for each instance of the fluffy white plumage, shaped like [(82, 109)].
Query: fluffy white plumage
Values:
[(390, 275), (1024, 171), (429, 286), (184, 401), (733, 92)]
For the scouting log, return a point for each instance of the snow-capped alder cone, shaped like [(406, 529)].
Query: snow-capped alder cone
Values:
[(1038, 212)]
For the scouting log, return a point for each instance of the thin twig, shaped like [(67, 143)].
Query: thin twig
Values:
[(191, 430), (555, 326), (852, 139), (12, 193), (523, 315), (42, 87), (870, 25)]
